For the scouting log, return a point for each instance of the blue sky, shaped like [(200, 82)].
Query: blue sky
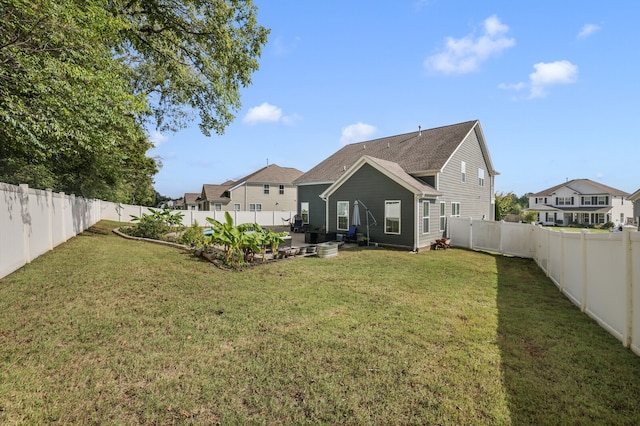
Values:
[(554, 85)]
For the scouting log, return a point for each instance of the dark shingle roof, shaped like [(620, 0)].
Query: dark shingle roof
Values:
[(415, 152), (602, 189), (270, 174)]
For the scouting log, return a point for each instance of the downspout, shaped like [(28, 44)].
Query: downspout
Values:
[(416, 223), (326, 213)]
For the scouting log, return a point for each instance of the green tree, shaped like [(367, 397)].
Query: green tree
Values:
[(190, 55), (505, 204), (80, 79)]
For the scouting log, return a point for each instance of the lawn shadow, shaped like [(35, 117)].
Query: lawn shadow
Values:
[(559, 366)]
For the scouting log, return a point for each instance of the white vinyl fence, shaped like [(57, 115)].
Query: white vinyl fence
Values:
[(34, 221), (598, 272), (123, 213)]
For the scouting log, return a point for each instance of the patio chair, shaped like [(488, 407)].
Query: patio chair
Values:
[(351, 234)]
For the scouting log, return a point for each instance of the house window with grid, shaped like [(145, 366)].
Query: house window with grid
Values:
[(265, 188), (343, 215), (392, 217), (255, 207), (425, 217), (281, 189), (463, 171), (217, 207), (455, 209), (304, 212), (236, 207), (443, 218), (564, 201), (480, 177)]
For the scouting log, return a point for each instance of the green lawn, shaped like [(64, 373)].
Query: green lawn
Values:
[(104, 330)]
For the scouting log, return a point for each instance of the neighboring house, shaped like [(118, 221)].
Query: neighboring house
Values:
[(635, 199), (582, 202), (269, 188), (408, 184), (190, 201)]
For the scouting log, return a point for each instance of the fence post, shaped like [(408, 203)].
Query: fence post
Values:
[(501, 229), (471, 233), (26, 220), (583, 248), (50, 217), (562, 279), (627, 247)]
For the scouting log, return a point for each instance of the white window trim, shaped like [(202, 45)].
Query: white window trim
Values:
[(266, 188), (236, 207), (455, 213), (426, 206), (217, 207), (387, 202), (481, 177), (442, 222), (302, 209), (338, 216), (463, 171), (281, 189)]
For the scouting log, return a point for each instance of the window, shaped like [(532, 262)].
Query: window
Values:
[(265, 188), (343, 215), (255, 207), (463, 171), (455, 209), (564, 201), (236, 207), (304, 212), (425, 217), (281, 189), (443, 218), (217, 207), (480, 177), (392, 217)]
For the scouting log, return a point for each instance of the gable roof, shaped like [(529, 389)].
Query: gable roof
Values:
[(571, 184), (390, 169), (191, 197), (268, 174), (635, 196), (425, 151), (215, 193)]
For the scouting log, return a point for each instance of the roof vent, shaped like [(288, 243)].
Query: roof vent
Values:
[(388, 145), (364, 147), (419, 130), (344, 168)]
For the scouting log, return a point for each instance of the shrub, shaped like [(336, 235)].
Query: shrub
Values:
[(157, 224), (193, 236)]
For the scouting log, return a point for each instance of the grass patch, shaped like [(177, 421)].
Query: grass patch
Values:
[(111, 331)]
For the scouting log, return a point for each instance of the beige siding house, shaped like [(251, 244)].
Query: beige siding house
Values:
[(269, 188)]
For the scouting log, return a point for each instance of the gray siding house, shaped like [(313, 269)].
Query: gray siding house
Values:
[(408, 185)]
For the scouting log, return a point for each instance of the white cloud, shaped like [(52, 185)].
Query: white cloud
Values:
[(157, 138), (356, 133), (587, 30), (265, 113), (465, 55), (546, 74)]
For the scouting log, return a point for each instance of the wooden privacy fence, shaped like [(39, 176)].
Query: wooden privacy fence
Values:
[(599, 272), (34, 221)]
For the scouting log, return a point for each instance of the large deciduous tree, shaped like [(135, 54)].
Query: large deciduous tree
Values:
[(79, 80)]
